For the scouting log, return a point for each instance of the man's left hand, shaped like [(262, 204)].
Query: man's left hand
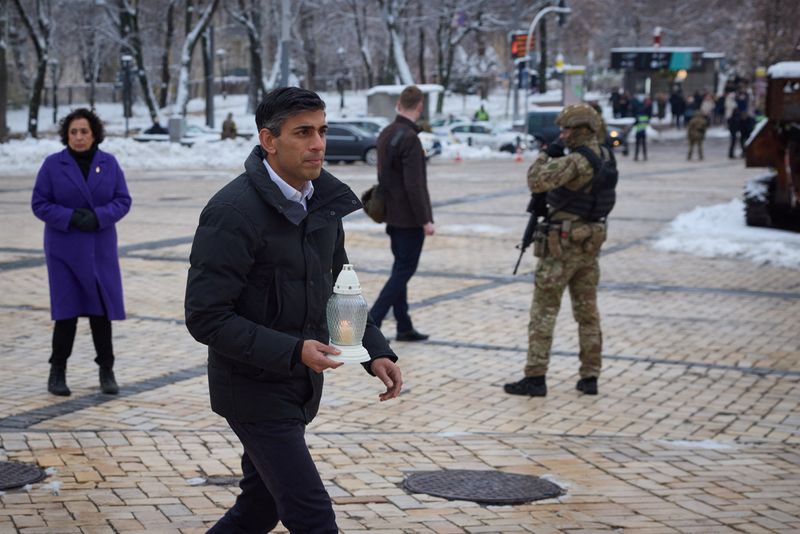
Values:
[(390, 375)]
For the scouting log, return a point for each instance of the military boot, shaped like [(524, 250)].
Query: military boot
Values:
[(107, 382), (535, 386), (57, 381), (587, 385)]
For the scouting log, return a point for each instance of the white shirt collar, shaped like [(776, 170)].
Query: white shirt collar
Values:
[(301, 197)]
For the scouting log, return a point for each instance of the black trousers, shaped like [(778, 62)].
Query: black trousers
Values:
[(279, 482), (406, 248), (64, 337), (641, 140)]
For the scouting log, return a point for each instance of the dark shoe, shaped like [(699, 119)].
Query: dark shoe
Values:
[(411, 335), (587, 385), (535, 386), (107, 382), (57, 381)]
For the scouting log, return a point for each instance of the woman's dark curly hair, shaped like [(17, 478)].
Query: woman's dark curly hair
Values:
[(95, 124)]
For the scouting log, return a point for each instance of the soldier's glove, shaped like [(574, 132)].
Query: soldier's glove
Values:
[(555, 149), (84, 219)]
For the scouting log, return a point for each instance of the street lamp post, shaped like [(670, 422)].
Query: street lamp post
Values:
[(53, 62), (534, 22), (221, 56), (127, 96), (340, 81)]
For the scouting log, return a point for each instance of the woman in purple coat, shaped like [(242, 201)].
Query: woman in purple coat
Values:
[(80, 194)]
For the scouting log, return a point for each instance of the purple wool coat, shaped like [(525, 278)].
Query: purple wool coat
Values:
[(82, 267)]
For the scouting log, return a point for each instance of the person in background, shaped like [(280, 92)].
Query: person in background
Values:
[(640, 127), (481, 114), (677, 106), (735, 129), (409, 215), (696, 133), (81, 194), (746, 125), (229, 127)]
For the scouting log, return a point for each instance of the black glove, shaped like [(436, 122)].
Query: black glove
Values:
[(84, 219), (555, 149)]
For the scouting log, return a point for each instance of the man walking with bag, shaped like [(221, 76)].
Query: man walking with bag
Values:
[(409, 216)]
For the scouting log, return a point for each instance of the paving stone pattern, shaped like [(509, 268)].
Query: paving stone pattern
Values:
[(695, 428)]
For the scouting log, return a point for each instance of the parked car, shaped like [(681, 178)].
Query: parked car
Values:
[(373, 125), (542, 124), (192, 134), (483, 134), (346, 142), (430, 144), (618, 130)]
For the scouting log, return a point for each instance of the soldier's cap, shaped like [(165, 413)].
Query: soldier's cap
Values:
[(579, 115)]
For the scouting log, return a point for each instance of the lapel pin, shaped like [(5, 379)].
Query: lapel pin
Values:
[(97, 169)]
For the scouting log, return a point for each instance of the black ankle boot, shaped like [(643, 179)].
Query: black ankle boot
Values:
[(587, 385), (535, 386), (57, 381), (107, 382)]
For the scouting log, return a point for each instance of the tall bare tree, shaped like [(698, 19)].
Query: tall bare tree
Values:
[(392, 14), (306, 31), (182, 98), (359, 10), (126, 21), (169, 35), (3, 71), (452, 26), (39, 31), (249, 16)]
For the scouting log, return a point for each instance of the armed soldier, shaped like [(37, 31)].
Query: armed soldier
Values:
[(580, 193)]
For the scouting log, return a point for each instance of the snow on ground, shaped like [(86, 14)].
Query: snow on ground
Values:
[(720, 231)]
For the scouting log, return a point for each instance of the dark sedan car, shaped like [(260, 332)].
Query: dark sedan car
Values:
[(346, 142)]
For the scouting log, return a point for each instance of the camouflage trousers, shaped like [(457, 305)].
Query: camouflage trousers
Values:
[(577, 269)]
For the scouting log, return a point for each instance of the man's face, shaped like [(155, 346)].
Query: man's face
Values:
[(298, 153), (566, 132)]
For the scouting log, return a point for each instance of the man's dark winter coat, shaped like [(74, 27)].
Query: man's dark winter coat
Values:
[(402, 174), (262, 270)]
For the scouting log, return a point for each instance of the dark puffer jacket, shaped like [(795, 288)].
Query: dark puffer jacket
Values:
[(262, 270)]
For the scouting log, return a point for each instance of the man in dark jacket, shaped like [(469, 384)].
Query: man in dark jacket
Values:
[(409, 217), (266, 253)]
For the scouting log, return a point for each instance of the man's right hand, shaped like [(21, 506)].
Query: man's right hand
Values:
[(429, 228), (315, 356), (555, 149)]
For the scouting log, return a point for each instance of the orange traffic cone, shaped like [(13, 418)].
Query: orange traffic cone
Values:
[(457, 159), (518, 155)]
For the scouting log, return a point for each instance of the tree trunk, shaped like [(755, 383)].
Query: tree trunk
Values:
[(3, 72), (36, 98), (163, 94), (206, 47), (309, 45), (182, 98), (363, 47)]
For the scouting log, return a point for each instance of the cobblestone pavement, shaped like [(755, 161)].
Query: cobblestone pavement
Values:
[(695, 428)]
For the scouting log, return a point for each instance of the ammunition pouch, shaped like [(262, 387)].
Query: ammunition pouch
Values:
[(550, 239)]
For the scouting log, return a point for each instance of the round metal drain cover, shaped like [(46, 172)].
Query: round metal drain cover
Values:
[(15, 474), (489, 487)]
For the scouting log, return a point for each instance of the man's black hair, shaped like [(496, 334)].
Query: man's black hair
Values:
[(98, 131), (282, 103)]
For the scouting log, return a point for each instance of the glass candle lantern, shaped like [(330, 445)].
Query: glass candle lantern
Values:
[(347, 317)]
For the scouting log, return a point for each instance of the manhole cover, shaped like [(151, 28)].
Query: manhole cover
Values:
[(490, 487), (14, 474)]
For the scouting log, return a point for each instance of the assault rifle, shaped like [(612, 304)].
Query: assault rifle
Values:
[(537, 207)]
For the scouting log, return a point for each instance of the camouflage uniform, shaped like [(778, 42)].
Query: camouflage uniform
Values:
[(575, 267)]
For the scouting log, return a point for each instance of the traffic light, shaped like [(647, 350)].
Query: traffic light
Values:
[(518, 42)]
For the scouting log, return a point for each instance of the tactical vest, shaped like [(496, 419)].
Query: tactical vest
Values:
[(592, 202)]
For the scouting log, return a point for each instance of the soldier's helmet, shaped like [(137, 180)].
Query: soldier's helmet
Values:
[(579, 115)]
